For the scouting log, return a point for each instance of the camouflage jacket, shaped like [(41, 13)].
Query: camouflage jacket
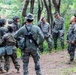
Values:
[(45, 27), (9, 39), (58, 25), (35, 30), (15, 26), (71, 35)]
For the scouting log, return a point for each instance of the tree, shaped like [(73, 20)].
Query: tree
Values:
[(56, 5), (25, 8), (40, 8), (32, 6), (26, 5), (49, 11)]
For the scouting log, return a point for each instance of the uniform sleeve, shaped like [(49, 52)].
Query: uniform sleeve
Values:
[(18, 33), (4, 38), (63, 24), (49, 29), (67, 37), (39, 24), (53, 23), (41, 36), (74, 34), (3, 31), (19, 26)]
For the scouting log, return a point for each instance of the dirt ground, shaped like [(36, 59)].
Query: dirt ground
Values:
[(51, 64)]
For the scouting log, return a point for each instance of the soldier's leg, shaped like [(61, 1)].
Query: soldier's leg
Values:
[(71, 51), (36, 58), (62, 41), (49, 43), (15, 61), (41, 47), (0, 65), (25, 59), (55, 37), (7, 63)]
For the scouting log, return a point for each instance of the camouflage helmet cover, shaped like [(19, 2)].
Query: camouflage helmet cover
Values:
[(30, 16)]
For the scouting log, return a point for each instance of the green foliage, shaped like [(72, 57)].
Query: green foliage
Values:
[(9, 8)]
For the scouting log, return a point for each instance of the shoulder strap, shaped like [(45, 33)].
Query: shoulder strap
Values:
[(27, 29)]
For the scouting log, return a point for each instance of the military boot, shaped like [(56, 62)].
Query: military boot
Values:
[(18, 70), (1, 71)]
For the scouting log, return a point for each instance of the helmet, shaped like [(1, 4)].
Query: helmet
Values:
[(29, 16), (2, 22), (15, 18), (56, 14), (10, 22), (9, 28)]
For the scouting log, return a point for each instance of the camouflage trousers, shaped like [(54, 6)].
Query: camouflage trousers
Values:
[(25, 57), (48, 40), (0, 64), (55, 37), (71, 51), (14, 60)]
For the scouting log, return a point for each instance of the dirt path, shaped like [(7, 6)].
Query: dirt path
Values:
[(51, 64)]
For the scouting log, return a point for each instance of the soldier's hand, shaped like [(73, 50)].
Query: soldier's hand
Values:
[(48, 35), (73, 42), (63, 33), (66, 41)]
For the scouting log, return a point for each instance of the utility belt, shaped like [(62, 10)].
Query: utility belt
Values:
[(45, 32), (6, 50), (10, 44), (9, 50)]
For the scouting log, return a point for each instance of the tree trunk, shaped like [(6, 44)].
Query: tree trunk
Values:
[(25, 8), (32, 6), (50, 10), (56, 5), (48, 13), (40, 8)]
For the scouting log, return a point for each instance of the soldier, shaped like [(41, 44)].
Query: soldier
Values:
[(10, 21), (2, 32), (15, 23), (45, 27), (71, 39), (10, 48), (31, 34), (58, 30)]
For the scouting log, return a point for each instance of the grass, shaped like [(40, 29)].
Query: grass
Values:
[(68, 71)]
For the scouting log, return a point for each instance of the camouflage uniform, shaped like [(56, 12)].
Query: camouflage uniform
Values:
[(71, 36), (58, 31), (31, 48), (10, 48), (15, 24), (45, 27), (2, 32)]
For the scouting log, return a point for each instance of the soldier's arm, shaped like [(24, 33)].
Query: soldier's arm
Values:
[(49, 29), (4, 39), (19, 26), (18, 33), (63, 24), (39, 24), (74, 34), (53, 23), (3, 31), (41, 36)]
